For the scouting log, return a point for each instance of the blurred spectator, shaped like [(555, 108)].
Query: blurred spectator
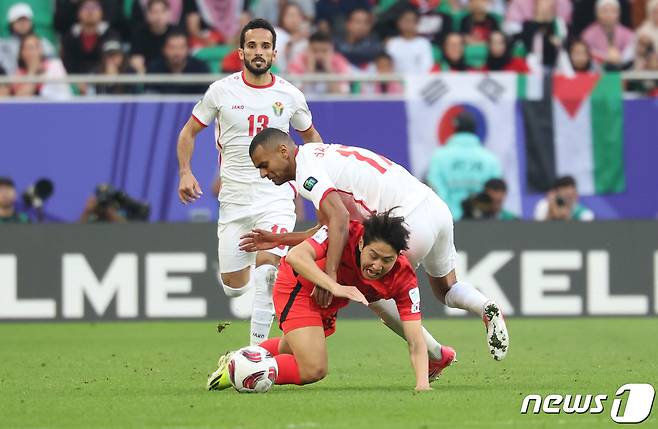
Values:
[(358, 45), (176, 59), (610, 43), (114, 206), (646, 59), (139, 13), (496, 189), (81, 48), (4, 89), (383, 65), (561, 203), (520, 11), (478, 24), (113, 63), (433, 23), (291, 34), (543, 34), (411, 53), (580, 57), (453, 53), (330, 15), (650, 27), (19, 18), (320, 57), (272, 10), (149, 38), (232, 63), (584, 14), (32, 62), (8, 212), (478, 206), (499, 56), (66, 12), (462, 166), (211, 22)]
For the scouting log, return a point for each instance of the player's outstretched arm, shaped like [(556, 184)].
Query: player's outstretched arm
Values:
[(337, 218), (302, 259), (260, 239), (188, 187), (413, 331)]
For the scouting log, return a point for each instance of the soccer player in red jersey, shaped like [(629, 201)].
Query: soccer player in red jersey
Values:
[(373, 267)]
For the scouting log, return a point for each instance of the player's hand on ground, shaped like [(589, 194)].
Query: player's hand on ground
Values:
[(188, 188), (350, 292), (258, 239), (423, 387), (322, 297)]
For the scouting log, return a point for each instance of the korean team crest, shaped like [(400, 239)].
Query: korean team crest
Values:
[(278, 108)]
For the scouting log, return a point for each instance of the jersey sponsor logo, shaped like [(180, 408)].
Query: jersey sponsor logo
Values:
[(277, 107), (238, 107), (310, 183)]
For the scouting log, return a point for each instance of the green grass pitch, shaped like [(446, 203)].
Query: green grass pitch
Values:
[(152, 375)]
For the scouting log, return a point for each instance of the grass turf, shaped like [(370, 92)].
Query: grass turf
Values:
[(82, 375)]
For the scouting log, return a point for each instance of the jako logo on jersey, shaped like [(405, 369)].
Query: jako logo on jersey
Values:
[(639, 403), (238, 106), (309, 183), (278, 108)]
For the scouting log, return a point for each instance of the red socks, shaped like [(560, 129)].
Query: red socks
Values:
[(271, 345), (288, 370)]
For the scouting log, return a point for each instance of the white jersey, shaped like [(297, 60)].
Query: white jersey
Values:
[(370, 181), (242, 111)]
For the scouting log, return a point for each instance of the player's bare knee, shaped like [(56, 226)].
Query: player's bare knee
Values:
[(313, 373)]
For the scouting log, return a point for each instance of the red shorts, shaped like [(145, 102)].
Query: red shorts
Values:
[(295, 307)]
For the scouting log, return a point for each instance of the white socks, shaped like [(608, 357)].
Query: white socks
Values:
[(263, 309), (388, 312), (467, 297)]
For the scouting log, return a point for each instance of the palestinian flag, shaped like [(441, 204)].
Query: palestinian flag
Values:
[(576, 129)]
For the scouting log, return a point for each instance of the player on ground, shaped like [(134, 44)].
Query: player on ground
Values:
[(370, 261), (244, 104), (369, 183)]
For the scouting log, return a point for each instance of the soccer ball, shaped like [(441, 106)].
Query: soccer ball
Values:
[(252, 369)]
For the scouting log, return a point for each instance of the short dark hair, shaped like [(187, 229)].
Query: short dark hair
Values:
[(150, 3), (175, 32), (257, 23), (387, 228), (320, 36), (465, 123), (266, 137), (496, 185), (564, 181), (356, 10), (383, 54), (6, 181)]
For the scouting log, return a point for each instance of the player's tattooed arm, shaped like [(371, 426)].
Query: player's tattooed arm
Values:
[(188, 187), (302, 259), (311, 135), (413, 332)]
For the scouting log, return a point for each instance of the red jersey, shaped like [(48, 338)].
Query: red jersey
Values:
[(399, 284)]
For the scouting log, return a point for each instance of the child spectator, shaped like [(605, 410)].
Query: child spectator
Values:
[(411, 53)]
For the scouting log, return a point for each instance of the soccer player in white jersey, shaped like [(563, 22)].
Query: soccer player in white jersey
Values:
[(244, 104), (369, 183)]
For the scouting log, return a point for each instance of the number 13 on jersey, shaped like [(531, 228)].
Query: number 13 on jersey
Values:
[(256, 125)]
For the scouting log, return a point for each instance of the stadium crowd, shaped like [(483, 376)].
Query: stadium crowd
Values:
[(110, 37)]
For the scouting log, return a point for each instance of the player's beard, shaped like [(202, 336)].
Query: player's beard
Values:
[(258, 71)]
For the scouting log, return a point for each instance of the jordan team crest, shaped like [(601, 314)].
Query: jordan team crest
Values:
[(278, 108)]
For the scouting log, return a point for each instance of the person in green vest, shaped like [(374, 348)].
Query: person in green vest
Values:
[(497, 191), (561, 203), (8, 212), (462, 166)]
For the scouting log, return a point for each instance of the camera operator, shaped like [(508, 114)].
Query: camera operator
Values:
[(113, 206), (561, 203), (8, 212), (478, 206)]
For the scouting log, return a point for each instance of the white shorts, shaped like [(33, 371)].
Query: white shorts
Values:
[(431, 242), (236, 220)]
